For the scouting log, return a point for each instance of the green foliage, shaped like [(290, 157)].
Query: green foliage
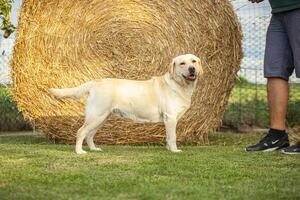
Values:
[(251, 113), (248, 106), (256, 114), (241, 81), (10, 118), (5, 9), (293, 115), (33, 169)]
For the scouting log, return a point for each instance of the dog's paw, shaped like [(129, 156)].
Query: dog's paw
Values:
[(173, 148), (96, 149), (80, 152), (176, 150)]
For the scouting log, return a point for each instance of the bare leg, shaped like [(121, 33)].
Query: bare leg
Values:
[(170, 125), (278, 94)]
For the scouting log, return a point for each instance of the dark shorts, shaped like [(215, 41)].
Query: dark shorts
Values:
[(282, 54)]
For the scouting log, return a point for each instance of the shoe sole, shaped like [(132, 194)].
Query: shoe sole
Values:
[(290, 153), (269, 150)]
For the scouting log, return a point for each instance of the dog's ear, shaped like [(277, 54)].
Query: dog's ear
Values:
[(172, 68)]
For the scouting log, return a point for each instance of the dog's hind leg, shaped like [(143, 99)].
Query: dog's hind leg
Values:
[(79, 139), (90, 136), (89, 128), (90, 140)]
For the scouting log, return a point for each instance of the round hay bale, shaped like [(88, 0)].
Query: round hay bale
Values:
[(62, 43)]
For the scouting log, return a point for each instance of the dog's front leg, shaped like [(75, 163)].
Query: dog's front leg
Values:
[(170, 124)]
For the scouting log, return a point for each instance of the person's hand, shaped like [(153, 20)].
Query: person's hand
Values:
[(256, 1)]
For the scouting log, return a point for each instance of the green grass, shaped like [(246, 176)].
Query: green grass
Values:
[(31, 168)]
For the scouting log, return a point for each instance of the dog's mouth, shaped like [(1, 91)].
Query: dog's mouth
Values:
[(190, 77)]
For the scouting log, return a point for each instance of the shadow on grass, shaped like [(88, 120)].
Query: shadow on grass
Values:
[(31, 139), (23, 139), (219, 138)]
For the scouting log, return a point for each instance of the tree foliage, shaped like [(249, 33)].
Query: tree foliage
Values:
[(5, 9)]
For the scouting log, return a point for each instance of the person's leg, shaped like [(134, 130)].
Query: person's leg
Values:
[(277, 138), (278, 66), (292, 21), (282, 56), (278, 93)]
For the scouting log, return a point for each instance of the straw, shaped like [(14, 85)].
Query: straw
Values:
[(62, 43)]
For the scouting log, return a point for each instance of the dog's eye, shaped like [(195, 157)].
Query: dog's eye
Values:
[(182, 63), (193, 61)]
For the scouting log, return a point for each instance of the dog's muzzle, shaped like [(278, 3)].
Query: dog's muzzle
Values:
[(192, 76)]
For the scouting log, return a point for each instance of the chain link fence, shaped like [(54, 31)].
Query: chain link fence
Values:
[(248, 101)]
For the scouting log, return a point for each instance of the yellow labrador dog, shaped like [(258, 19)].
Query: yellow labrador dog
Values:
[(160, 99)]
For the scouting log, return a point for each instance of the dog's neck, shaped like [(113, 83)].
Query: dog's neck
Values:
[(186, 91)]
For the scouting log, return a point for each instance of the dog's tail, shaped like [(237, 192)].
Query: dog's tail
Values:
[(73, 93)]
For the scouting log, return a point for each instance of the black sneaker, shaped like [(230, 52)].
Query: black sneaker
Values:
[(271, 142), (295, 149)]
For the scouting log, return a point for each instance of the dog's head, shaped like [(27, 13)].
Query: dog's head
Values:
[(185, 69)]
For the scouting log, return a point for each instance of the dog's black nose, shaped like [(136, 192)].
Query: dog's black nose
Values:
[(191, 69)]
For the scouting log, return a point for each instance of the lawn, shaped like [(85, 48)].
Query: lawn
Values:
[(31, 168)]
